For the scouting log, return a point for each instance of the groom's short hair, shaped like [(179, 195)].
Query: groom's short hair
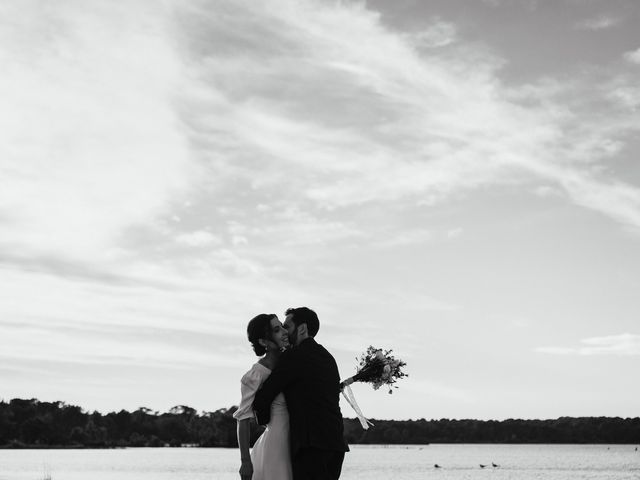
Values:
[(302, 315)]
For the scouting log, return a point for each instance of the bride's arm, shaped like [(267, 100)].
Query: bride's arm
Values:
[(244, 415), (244, 433)]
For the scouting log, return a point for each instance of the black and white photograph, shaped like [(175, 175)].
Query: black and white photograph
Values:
[(319, 239)]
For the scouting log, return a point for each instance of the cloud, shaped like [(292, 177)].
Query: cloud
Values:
[(625, 344), (390, 123), (199, 238), (633, 56), (269, 109), (613, 198), (198, 302), (627, 96), (365, 99), (104, 343), (439, 34), (62, 267), (546, 191), (601, 22), (89, 143)]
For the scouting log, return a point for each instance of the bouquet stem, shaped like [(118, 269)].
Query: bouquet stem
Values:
[(347, 382), (351, 400)]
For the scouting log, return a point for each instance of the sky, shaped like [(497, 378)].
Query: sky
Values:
[(456, 180)]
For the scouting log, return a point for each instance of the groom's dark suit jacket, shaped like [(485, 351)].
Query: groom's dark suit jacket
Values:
[(308, 376)]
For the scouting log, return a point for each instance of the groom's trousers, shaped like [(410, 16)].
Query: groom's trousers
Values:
[(316, 464)]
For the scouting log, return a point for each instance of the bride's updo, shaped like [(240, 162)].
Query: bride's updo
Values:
[(260, 327)]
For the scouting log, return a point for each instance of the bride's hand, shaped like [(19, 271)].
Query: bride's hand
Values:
[(246, 470)]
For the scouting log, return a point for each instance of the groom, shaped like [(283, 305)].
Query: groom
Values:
[(308, 376)]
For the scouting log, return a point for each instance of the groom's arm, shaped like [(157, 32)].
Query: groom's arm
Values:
[(283, 375)]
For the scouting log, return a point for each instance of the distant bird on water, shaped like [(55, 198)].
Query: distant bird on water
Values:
[(494, 465), (435, 465), (482, 466)]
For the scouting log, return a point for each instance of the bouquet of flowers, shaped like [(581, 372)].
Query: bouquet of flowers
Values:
[(377, 367)]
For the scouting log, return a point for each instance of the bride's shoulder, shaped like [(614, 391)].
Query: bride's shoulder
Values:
[(255, 375)]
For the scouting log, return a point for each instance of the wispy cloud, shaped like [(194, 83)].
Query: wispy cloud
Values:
[(600, 22), (439, 34), (391, 123), (624, 344), (109, 344)]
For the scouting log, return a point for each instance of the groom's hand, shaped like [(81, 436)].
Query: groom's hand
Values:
[(246, 470)]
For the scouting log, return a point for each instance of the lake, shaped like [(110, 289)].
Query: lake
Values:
[(458, 462)]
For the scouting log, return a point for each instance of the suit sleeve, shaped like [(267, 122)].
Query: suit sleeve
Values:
[(286, 373)]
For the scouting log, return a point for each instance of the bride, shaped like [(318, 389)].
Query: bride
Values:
[(270, 458)]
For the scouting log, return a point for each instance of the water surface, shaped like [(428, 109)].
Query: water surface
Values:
[(522, 462)]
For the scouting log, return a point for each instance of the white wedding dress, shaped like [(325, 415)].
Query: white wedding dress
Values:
[(270, 454)]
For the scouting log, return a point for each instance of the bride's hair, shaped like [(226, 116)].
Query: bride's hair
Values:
[(260, 327)]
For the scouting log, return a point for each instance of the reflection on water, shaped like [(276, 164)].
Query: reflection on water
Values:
[(523, 462)]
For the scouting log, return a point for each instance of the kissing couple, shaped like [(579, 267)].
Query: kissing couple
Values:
[(294, 390)]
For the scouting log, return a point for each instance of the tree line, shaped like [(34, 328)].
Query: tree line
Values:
[(29, 423)]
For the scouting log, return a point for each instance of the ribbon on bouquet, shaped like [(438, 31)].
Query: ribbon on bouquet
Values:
[(351, 400)]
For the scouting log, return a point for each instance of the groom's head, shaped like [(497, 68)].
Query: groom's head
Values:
[(301, 323)]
